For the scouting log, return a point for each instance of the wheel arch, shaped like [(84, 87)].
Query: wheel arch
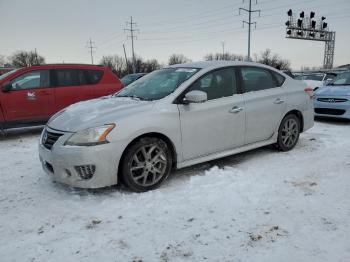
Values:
[(161, 136), (299, 115)]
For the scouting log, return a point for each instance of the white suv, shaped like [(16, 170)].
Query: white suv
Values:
[(172, 118)]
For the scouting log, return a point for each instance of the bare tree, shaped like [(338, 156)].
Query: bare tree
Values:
[(116, 63), (24, 58), (178, 59), (273, 60), (2, 60), (226, 56)]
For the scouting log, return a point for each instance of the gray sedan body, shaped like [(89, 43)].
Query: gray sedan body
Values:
[(195, 132)]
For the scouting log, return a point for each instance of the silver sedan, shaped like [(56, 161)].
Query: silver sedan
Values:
[(172, 118)]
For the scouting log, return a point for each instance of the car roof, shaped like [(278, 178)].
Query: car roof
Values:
[(53, 66), (218, 64)]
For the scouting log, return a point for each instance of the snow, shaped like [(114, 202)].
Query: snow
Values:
[(260, 205)]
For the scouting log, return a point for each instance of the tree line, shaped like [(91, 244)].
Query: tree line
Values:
[(122, 67)]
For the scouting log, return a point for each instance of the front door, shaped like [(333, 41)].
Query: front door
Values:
[(217, 124), (30, 98)]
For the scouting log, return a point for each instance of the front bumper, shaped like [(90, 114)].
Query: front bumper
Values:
[(332, 109), (62, 162)]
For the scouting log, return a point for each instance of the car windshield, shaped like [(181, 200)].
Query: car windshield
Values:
[(341, 80), (157, 84), (7, 74)]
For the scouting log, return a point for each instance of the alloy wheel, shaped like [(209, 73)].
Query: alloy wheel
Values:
[(148, 165), (290, 132)]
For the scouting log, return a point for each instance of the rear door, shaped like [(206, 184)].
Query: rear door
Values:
[(30, 97), (70, 86), (265, 102)]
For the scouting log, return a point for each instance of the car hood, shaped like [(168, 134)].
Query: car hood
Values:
[(333, 91), (96, 112)]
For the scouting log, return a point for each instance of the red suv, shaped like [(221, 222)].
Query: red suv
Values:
[(31, 95)]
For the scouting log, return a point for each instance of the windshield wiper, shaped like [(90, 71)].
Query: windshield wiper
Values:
[(129, 96)]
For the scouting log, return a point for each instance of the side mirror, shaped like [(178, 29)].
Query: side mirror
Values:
[(6, 87), (195, 96)]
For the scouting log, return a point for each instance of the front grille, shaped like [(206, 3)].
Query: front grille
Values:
[(329, 111), (50, 138), (86, 171), (332, 100)]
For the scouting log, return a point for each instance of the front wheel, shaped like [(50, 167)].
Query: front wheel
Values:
[(147, 163), (288, 133)]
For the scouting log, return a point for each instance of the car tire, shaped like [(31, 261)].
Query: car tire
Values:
[(146, 164), (288, 133)]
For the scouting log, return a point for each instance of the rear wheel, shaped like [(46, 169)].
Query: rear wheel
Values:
[(288, 133), (147, 163)]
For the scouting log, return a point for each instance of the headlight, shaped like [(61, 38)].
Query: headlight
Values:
[(91, 136)]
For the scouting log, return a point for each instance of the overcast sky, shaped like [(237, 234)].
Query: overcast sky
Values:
[(60, 29)]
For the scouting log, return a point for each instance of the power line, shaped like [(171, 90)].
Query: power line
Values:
[(132, 30), (212, 35), (249, 23), (116, 36), (92, 47), (185, 19)]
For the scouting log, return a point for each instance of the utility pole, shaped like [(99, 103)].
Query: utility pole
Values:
[(131, 30), (36, 57), (92, 47), (126, 60), (249, 23)]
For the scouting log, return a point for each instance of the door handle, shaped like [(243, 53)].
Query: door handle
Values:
[(278, 101), (236, 109)]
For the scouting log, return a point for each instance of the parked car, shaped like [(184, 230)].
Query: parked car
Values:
[(172, 118), (4, 70), (316, 80), (32, 95), (333, 100), (128, 79)]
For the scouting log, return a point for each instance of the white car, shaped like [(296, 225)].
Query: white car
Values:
[(172, 118), (316, 80)]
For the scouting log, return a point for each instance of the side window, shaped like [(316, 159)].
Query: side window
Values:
[(31, 80), (220, 83), (66, 77), (94, 76), (256, 79), (279, 78), (82, 77)]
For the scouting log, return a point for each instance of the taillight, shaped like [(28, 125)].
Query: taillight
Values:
[(310, 92)]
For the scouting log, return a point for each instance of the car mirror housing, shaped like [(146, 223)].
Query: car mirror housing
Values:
[(6, 87), (195, 96)]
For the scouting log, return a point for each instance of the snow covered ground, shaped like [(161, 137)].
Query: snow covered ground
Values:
[(257, 206)]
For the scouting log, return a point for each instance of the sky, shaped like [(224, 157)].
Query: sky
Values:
[(59, 30)]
